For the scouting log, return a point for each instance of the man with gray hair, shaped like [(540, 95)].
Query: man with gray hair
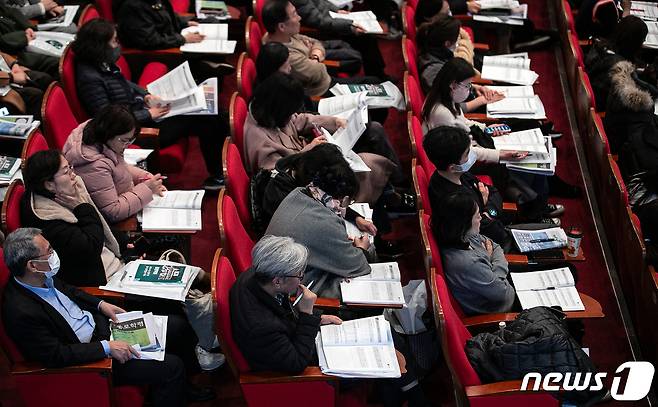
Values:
[(272, 333), (58, 325)]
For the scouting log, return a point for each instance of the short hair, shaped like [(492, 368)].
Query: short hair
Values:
[(628, 36), (91, 43), (271, 57), (434, 33), (445, 145), (451, 224), (275, 256), (274, 12), (19, 248), (39, 168), (276, 99), (110, 121), (426, 10), (455, 70)]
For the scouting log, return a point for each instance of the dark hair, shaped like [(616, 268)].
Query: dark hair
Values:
[(628, 37), (426, 10), (454, 71), (91, 43), (39, 168), (445, 145), (434, 33), (276, 99), (325, 166), (110, 121), (274, 12), (454, 220), (270, 58)]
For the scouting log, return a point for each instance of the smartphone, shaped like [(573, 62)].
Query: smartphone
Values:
[(141, 246), (498, 127)]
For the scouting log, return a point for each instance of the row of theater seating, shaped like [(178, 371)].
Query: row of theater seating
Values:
[(639, 281)]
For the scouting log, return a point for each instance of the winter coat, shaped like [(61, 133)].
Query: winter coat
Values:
[(99, 86), (149, 24), (598, 64), (271, 336), (315, 14), (113, 185), (12, 29)]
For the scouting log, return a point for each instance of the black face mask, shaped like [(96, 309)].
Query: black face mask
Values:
[(114, 55)]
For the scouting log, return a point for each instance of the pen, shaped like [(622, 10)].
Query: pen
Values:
[(542, 289), (541, 240), (299, 298)]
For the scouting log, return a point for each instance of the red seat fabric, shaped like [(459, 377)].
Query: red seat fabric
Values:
[(246, 76), (253, 36), (90, 12), (180, 6), (35, 142), (105, 9), (67, 78), (423, 189), (416, 131), (257, 6), (237, 112), (58, 119), (571, 22), (408, 22), (412, 3), (413, 94), (11, 213), (8, 346), (234, 238), (410, 56), (470, 33), (151, 72), (485, 179), (237, 181)]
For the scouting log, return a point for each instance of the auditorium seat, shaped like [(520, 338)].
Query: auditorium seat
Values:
[(252, 37), (88, 13), (57, 118), (408, 21), (11, 206), (597, 150), (246, 74), (35, 142), (236, 180), (410, 55), (421, 185), (415, 130), (234, 238), (237, 112), (413, 95)]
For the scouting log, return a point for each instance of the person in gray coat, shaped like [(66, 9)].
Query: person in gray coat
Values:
[(475, 267)]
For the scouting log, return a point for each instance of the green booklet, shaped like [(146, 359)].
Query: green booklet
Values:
[(159, 273), (134, 332), (372, 89), (214, 7)]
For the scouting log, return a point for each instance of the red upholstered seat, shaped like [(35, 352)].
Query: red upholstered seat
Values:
[(246, 72), (253, 35), (180, 6), (257, 6), (236, 179), (58, 120), (235, 239), (34, 142), (105, 9), (410, 56), (412, 3), (416, 134), (151, 72), (413, 95), (11, 213), (470, 33), (90, 12), (237, 112), (421, 184), (408, 22)]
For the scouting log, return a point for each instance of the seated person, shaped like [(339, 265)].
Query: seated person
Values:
[(272, 335), (427, 10), (29, 84), (95, 150), (273, 57), (58, 325), (100, 83), (42, 10), (273, 129), (15, 33), (306, 54), (442, 108), (624, 45), (599, 18)]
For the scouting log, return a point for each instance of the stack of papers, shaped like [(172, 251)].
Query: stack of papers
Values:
[(536, 240), (541, 158), (547, 288), (175, 211), (132, 156), (530, 107), (343, 105), (646, 10), (147, 333), (352, 230), (50, 43), (361, 348), (160, 279), (63, 20), (652, 37), (382, 286), (211, 9), (385, 94), (508, 12), (216, 41), (9, 166), (19, 126), (345, 138), (364, 19), (179, 90), (510, 68), (527, 140)]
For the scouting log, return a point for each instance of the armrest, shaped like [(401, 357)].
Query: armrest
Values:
[(322, 302), (517, 259), (601, 114), (310, 374), (654, 276), (480, 46), (154, 52), (149, 132), (510, 386), (479, 81), (510, 207), (331, 63), (480, 117), (100, 366), (103, 294), (127, 225), (462, 17)]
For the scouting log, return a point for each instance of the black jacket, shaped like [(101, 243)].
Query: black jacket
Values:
[(12, 29), (149, 24), (315, 14), (43, 335), (271, 336), (598, 64), (79, 245), (99, 86)]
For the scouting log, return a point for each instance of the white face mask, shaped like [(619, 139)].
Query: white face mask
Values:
[(472, 157), (460, 93), (53, 263), (453, 47)]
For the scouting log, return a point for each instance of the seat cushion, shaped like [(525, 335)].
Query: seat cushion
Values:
[(151, 72)]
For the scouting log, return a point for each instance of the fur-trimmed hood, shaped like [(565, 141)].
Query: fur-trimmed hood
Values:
[(625, 93)]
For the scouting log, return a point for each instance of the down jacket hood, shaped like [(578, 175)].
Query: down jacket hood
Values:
[(625, 93), (80, 154)]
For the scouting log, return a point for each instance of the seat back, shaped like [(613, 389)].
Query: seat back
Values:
[(222, 279), (236, 179), (253, 36), (413, 95), (90, 12), (421, 184), (257, 7), (597, 149), (614, 204), (410, 56), (246, 72), (234, 239), (408, 22), (35, 142), (571, 62), (237, 113), (67, 80), (11, 207), (12, 352), (416, 135), (105, 9), (57, 118), (631, 257), (584, 99)]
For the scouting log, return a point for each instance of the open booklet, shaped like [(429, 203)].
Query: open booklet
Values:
[(365, 19), (645, 10), (384, 94), (9, 166), (352, 230), (147, 333), (210, 92), (216, 41), (360, 348), (531, 141), (63, 20), (511, 68), (176, 210), (345, 138), (652, 37), (547, 288), (50, 43), (536, 163), (342, 106), (160, 279), (542, 239), (179, 90), (382, 286)]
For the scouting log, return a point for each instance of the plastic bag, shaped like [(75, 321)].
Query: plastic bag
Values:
[(409, 319)]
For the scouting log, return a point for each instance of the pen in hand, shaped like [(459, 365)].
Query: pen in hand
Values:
[(301, 295)]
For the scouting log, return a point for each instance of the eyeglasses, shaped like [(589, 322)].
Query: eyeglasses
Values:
[(68, 170), (467, 85), (127, 142), (295, 276), (49, 253)]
